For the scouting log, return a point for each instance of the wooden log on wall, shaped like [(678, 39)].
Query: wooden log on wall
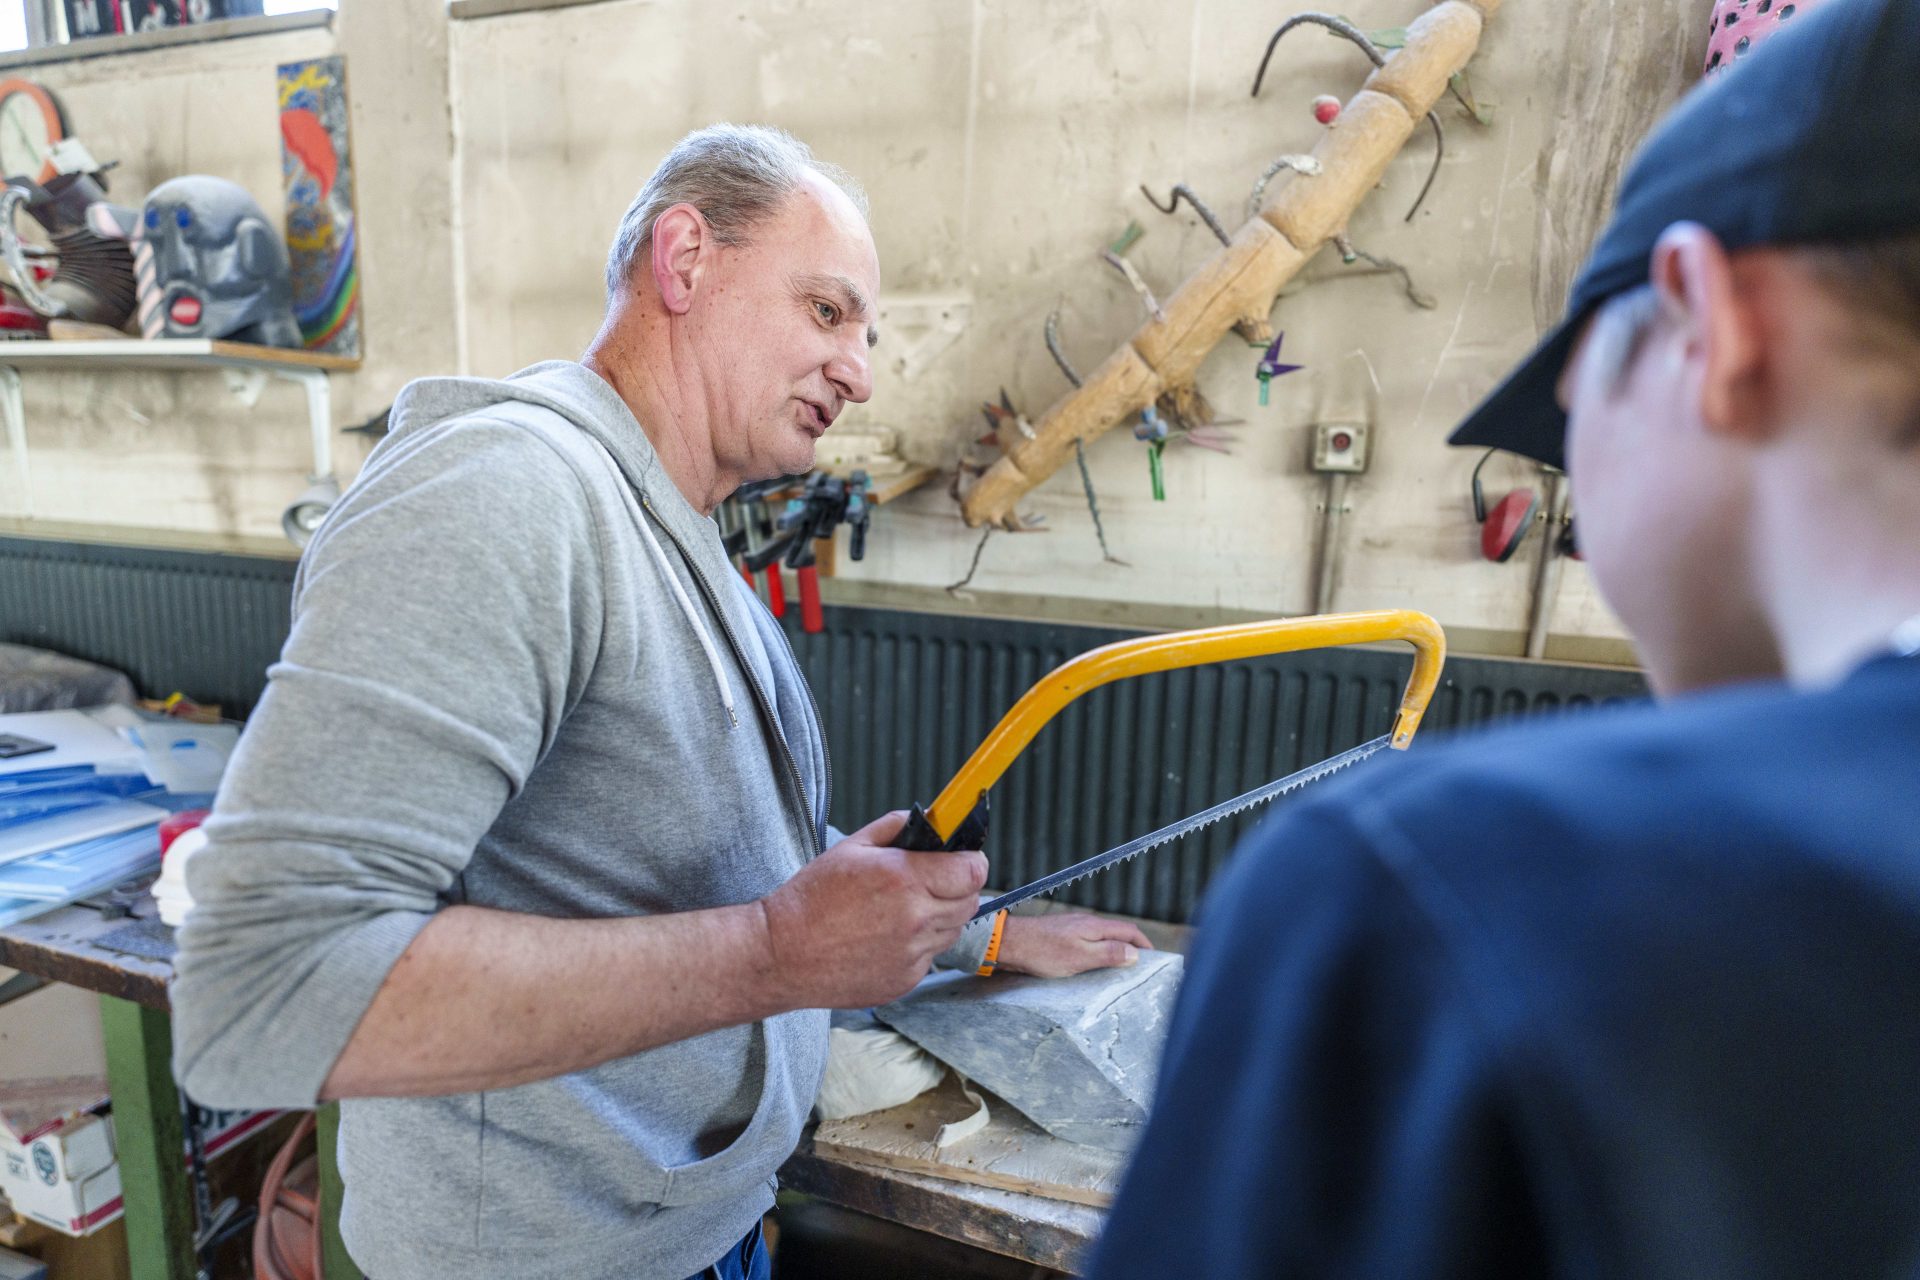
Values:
[(1241, 281)]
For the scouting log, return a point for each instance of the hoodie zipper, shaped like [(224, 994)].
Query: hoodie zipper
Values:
[(760, 697)]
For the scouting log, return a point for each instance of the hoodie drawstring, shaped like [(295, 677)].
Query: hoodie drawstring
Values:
[(692, 615)]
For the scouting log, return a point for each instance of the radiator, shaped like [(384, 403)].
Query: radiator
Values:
[(905, 697), (204, 625)]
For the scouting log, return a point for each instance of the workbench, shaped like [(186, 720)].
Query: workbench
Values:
[(64, 946)]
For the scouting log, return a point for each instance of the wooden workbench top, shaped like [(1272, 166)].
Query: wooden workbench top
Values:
[(63, 946)]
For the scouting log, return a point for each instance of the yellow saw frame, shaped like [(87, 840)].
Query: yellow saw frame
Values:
[(948, 817)]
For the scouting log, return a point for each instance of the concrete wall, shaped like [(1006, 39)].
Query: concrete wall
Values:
[(1003, 144), (175, 456)]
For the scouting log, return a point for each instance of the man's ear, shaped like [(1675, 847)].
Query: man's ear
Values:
[(682, 241), (1719, 329)]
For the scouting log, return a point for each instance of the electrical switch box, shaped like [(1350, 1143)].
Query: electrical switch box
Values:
[(1340, 447)]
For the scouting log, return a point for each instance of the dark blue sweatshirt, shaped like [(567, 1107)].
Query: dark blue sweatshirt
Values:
[(1637, 995)]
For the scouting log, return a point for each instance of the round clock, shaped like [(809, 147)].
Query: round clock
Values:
[(31, 121)]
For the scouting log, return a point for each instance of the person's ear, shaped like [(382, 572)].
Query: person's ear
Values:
[(682, 241), (1718, 329)]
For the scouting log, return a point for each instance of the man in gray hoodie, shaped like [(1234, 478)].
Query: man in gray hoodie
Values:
[(524, 854)]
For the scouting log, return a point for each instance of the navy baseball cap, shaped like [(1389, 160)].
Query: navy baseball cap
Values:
[(1814, 137)]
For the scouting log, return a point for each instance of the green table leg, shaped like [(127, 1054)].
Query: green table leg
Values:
[(151, 1142), (334, 1262)]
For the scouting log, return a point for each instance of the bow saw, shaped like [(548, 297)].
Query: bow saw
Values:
[(957, 817)]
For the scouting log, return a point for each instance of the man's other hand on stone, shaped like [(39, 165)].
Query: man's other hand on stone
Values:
[(1070, 942)]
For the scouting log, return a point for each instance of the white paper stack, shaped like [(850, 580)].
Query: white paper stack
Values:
[(77, 739), (84, 815)]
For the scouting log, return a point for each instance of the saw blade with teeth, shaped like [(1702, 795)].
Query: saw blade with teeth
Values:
[(1186, 826)]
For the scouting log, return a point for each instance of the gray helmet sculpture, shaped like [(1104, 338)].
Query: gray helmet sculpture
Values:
[(209, 265)]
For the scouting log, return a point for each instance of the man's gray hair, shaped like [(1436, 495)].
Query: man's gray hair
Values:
[(736, 175)]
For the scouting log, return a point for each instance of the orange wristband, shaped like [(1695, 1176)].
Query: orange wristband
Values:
[(992, 958)]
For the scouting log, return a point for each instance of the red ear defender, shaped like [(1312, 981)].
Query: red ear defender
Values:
[(1506, 526)]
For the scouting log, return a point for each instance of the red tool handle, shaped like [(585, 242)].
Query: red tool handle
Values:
[(776, 591), (812, 621)]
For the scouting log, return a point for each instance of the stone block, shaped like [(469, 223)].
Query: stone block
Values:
[(1078, 1056)]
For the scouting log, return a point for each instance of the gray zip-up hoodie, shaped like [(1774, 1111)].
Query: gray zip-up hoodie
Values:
[(522, 674)]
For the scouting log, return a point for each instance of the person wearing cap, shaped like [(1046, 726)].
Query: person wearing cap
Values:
[(1631, 993)]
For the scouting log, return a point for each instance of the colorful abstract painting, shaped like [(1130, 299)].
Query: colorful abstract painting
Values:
[(322, 233)]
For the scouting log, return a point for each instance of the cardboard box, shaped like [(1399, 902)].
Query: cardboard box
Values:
[(56, 1156), (68, 1176), (58, 1161)]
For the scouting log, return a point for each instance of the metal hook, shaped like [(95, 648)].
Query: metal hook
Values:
[(1341, 27), (955, 588), (1349, 252), (1138, 283), (1183, 191), (1079, 447), (1053, 347), (1338, 25), (1298, 163)]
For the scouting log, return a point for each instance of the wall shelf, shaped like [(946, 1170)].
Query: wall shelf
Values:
[(245, 366), (164, 353)]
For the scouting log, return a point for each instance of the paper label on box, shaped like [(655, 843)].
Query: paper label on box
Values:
[(44, 1164)]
